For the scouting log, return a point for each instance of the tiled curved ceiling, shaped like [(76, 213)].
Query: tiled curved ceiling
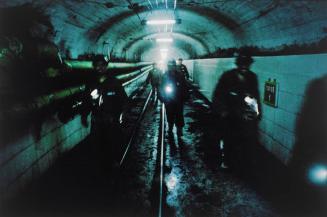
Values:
[(115, 25)]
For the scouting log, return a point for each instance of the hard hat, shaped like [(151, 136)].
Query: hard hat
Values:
[(99, 59), (244, 58), (171, 62)]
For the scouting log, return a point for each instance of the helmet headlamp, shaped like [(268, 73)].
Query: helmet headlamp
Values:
[(168, 89)]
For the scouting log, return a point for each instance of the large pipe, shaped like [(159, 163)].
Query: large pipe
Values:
[(43, 101), (85, 64)]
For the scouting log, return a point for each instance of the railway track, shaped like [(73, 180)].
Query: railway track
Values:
[(136, 125), (144, 103), (136, 120), (135, 128), (162, 148)]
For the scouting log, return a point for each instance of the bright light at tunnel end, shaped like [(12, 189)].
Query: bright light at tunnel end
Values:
[(164, 55), (317, 175)]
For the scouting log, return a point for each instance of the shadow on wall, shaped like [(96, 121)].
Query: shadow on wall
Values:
[(28, 56), (309, 161), (31, 74), (311, 131)]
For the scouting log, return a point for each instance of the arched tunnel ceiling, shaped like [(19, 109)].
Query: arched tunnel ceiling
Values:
[(114, 26), (183, 42)]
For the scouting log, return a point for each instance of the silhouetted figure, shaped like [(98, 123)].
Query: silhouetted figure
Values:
[(154, 79), (106, 98), (173, 92), (182, 68), (237, 106)]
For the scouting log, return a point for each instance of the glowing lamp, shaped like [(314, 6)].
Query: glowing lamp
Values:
[(318, 175), (168, 89), (95, 94), (252, 102)]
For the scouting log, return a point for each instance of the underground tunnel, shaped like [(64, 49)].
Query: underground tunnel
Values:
[(79, 138)]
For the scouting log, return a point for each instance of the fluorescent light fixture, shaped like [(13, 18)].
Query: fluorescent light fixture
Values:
[(160, 22), (164, 40)]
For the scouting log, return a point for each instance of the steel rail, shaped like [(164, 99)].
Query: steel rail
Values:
[(139, 76), (133, 73), (135, 128), (162, 139)]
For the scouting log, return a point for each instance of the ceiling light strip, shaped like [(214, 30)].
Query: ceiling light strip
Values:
[(164, 40), (160, 22)]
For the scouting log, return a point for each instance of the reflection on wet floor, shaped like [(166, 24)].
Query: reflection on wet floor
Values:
[(198, 189), (194, 185)]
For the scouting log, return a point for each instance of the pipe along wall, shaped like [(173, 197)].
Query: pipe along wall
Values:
[(32, 150)]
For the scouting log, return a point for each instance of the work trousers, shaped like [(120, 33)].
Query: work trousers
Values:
[(240, 139), (174, 111), (107, 138)]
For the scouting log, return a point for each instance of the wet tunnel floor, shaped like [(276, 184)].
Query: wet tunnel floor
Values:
[(194, 185)]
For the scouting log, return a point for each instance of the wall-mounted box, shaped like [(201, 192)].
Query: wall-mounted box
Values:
[(270, 93)]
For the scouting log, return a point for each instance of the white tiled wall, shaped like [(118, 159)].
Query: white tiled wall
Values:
[(29, 157), (293, 74)]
